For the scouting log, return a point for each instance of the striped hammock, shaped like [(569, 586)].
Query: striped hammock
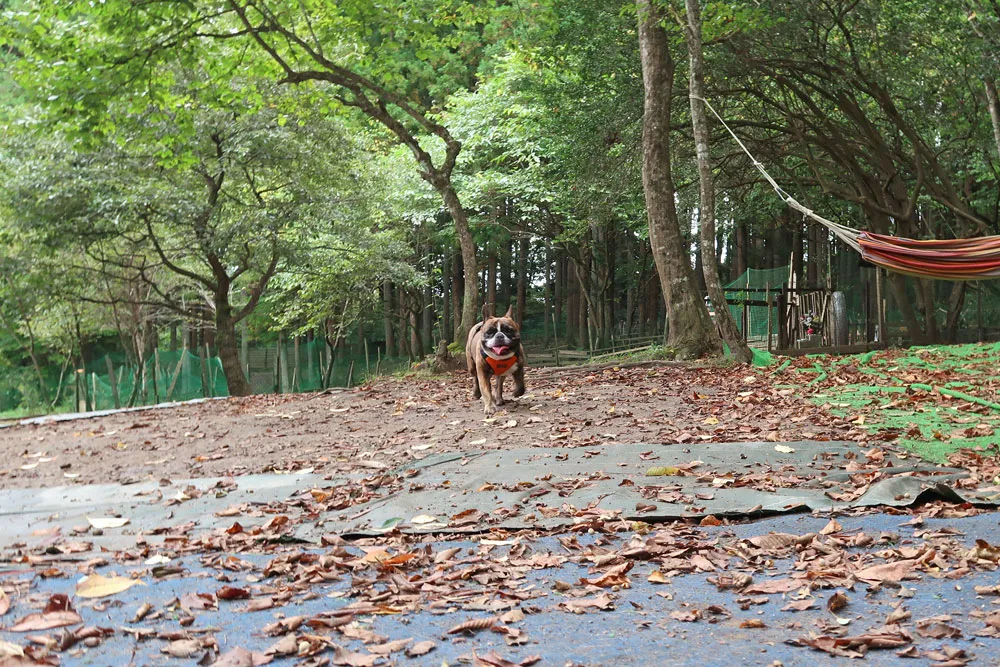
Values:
[(944, 259)]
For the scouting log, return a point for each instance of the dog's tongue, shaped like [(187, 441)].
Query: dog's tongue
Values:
[(500, 350)]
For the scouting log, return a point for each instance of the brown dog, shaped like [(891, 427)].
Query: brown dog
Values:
[(494, 350)]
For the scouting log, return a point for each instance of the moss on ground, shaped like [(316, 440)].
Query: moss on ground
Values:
[(931, 400)]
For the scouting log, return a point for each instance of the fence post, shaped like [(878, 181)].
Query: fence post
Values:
[(296, 371), (114, 383), (177, 373), (277, 366), (156, 372), (368, 370), (770, 313), (93, 380), (350, 375), (979, 309), (204, 370)]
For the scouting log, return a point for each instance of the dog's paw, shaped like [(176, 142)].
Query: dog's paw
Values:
[(489, 410)]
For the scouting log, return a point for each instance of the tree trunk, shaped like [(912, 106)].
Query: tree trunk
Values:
[(691, 333), (427, 314), (706, 212), (741, 250), (994, 106), (387, 308), (506, 275), (470, 299), (522, 276), (446, 327), (558, 296), (491, 282), (229, 351), (457, 292)]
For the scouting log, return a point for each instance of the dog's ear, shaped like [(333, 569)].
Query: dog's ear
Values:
[(510, 312), (487, 312)]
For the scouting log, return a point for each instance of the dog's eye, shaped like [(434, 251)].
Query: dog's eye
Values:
[(489, 332), (507, 330)]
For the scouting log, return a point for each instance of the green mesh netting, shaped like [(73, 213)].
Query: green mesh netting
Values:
[(755, 285), (112, 381)]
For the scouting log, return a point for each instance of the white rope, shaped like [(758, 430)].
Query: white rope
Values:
[(846, 234)]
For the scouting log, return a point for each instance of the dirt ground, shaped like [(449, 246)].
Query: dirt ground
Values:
[(397, 420)]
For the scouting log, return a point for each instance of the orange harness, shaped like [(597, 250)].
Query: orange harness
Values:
[(500, 366)]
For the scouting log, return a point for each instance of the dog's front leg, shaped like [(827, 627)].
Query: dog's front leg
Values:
[(499, 395), (519, 381), (489, 407)]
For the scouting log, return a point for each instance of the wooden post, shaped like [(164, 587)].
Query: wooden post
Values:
[(368, 370), (350, 375), (378, 361), (277, 366), (177, 374), (156, 372), (212, 374), (204, 370), (114, 383), (979, 310), (879, 309), (296, 373), (770, 313), (93, 380)]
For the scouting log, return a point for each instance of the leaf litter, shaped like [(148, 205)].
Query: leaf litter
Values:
[(492, 587)]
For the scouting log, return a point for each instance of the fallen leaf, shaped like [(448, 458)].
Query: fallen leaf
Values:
[(342, 656), (390, 647), (473, 625), (46, 621), (287, 645), (799, 605), (8, 650), (753, 623), (96, 586), (240, 657), (784, 449), (421, 648), (104, 522), (837, 601), (4, 603), (773, 586), (182, 648), (232, 593)]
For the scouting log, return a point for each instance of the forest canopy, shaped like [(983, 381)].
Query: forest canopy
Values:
[(221, 177)]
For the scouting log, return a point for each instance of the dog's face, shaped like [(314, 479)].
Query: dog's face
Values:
[(501, 336)]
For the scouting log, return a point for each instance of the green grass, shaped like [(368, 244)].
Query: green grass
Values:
[(926, 396)]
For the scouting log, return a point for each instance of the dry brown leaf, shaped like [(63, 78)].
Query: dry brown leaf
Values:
[(287, 645), (46, 621), (799, 605), (240, 657), (8, 650), (342, 656), (182, 648), (892, 572), (97, 586), (390, 647), (753, 623), (4, 603), (837, 601), (473, 625), (421, 648), (773, 586)]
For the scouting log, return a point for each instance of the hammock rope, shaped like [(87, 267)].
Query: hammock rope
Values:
[(945, 259)]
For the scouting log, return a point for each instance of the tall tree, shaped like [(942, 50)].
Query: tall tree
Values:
[(397, 63), (691, 331), (706, 211)]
